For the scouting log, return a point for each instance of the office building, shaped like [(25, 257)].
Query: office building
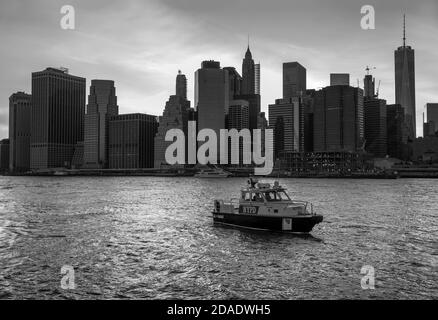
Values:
[(338, 119), (285, 119), (238, 118), (294, 80), (131, 141), (181, 85), (211, 97), (404, 58), (396, 135), (20, 113), (339, 79), (102, 103), (4, 155), (375, 127), (176, 115), (58, 108), (432, 115)]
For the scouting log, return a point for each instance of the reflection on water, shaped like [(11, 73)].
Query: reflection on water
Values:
[(149, 238)]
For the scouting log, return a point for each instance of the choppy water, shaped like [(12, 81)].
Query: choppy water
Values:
[(149, 238)]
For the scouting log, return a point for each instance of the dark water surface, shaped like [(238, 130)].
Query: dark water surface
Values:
[(153, 238)]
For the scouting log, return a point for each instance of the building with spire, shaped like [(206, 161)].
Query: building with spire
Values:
[(248, 73), (404, 58)]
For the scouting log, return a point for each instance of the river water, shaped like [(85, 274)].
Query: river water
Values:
[(153, 238)]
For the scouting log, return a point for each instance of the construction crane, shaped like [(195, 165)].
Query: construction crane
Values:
[(377, 91)]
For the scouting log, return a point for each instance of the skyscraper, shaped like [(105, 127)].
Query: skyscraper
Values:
[(375, 124), (176, 115), (211, 96), (395, 117), (131, 141), (102, 103), (238, 118), (404, 58), (338, 119), (294, 80), (20, 112), (181, 85), (58, 108), (248, 74), (4, 155), (339, 79), (432, 115), (285, 119)]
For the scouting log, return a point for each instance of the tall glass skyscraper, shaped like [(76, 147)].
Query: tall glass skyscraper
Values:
[(57, 123), (404, 58), (102, 104)]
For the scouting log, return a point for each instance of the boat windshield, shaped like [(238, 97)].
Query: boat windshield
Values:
[(276, 196)]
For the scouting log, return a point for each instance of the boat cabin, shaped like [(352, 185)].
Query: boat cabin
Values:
[(264, 193)]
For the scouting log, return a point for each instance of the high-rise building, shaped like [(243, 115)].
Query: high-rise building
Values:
[(234, 82), (4, 155), (238, 118), (181, 85), (285, 119), (339, 79), (375, 127), (58, 108), (369, 87), (432, 115), (102, 103), (257, 78), (211, 97), (338, 119), (294, 80), (404, 58), (131, 141), (20, 112), (308, 101), (396, 135), (254, 102), (248, 74), (175, 116)]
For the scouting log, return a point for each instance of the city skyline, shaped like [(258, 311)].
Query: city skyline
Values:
[(144, 75)]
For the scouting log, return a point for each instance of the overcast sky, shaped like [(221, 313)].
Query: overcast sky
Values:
[(141, 44)]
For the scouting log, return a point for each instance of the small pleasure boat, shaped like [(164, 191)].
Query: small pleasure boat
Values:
[(265, 207), (212, 173)]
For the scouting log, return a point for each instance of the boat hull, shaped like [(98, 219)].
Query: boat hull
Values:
[(301, 224)]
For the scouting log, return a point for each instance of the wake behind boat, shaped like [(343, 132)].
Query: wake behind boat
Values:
[(265, 207)]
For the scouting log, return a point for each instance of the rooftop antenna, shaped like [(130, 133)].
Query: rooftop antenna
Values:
[(404, 30)]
